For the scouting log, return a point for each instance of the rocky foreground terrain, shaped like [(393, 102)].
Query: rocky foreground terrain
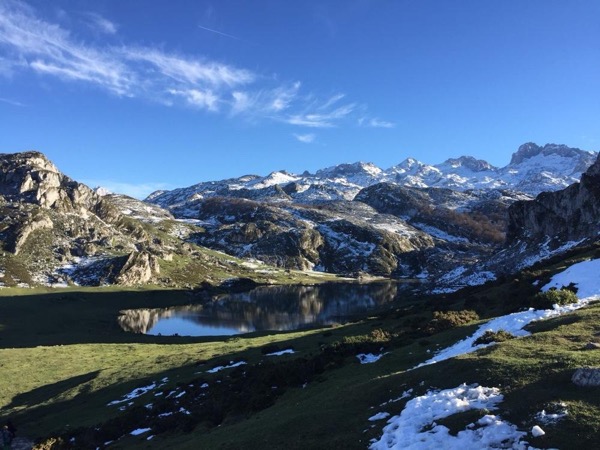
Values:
[(459, 222)]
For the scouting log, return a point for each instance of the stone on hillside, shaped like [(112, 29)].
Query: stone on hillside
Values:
[(23, 232), (139, 268), (587, 377), (592, 346)]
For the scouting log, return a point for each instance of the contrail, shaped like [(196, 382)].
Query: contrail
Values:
[(221, 33)]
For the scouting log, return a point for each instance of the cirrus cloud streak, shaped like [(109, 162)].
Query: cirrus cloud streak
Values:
[(31, 43)]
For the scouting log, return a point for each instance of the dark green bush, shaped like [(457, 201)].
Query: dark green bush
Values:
[(546, 300), (444, 320), (493, 336)]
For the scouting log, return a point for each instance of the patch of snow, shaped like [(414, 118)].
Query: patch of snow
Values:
[(439, 234), (379, 416), (139, 431), (231, 365), (137, 392), (368, 358), (404, 395), (545, 253), (584, 275), (546, 418), (287, 351), (416, 428)]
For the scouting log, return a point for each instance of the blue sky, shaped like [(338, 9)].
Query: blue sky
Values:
[(140, 95)]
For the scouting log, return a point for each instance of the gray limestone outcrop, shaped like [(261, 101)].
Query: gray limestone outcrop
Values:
[(567, 215)]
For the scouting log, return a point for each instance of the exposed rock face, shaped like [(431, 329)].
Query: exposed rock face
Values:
[(49, 221), (567, 215), (339, 237), (32, 178), (586, 377), (139, 268), (23, 232)]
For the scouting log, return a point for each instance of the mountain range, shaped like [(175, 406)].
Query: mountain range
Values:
[(459, 222), (532, 169)]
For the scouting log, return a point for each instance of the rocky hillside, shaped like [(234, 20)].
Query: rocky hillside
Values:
[(412, 220), (557, 220), (56, 231)]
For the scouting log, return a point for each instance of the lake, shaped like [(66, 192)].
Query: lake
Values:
[(273, 308)]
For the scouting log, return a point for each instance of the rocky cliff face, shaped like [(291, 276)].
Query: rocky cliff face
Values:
[(54, 230), (567, 215), (338, 237)]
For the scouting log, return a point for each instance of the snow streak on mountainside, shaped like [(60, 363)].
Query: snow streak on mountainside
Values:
[(533, 169)]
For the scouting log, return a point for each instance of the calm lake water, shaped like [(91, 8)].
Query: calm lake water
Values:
[(264, 308)]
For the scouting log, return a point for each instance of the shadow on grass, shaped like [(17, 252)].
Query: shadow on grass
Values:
[(85, 316), (49, 391)]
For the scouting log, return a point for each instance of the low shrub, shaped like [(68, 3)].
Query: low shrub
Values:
[(444, 320), (547, 300), (493, 336)]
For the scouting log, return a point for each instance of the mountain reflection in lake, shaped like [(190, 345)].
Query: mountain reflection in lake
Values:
[(264, 308)]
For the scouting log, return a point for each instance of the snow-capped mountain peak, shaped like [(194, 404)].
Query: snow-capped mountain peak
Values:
[(532, 169)]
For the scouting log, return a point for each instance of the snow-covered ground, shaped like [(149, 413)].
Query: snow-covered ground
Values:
[(416, 427)]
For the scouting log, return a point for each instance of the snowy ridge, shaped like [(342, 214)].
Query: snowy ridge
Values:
[(533, 169)]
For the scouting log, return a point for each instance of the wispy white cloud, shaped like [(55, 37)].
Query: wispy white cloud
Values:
[(32, 43), (12, 102), (188, 70), (202, 99), (100, 23), (220, 33), (305, 138), (265, 102), (375, 123), (55, 52), (321, 119)]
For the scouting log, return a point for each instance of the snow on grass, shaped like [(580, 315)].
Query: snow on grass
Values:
[(379, 416), (231, 365), (544, 252), (368, 358), (415, 428), (537, 431), (551, 418), (439, 234), (137, 392), (139, 431), (584, 275), (404, 395), (287, 351)]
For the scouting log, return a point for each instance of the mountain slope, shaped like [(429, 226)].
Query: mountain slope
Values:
[(55, 231)]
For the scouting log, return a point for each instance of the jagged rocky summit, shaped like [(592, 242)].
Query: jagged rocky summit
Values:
[(532, 169)]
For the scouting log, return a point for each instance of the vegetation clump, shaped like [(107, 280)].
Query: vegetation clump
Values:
[(490, 337), (444, 320), (547, 300)]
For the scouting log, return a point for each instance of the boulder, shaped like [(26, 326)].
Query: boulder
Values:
[(139, 268), (587, 377)]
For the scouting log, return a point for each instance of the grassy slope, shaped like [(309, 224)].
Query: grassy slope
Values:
[(63, 359)]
